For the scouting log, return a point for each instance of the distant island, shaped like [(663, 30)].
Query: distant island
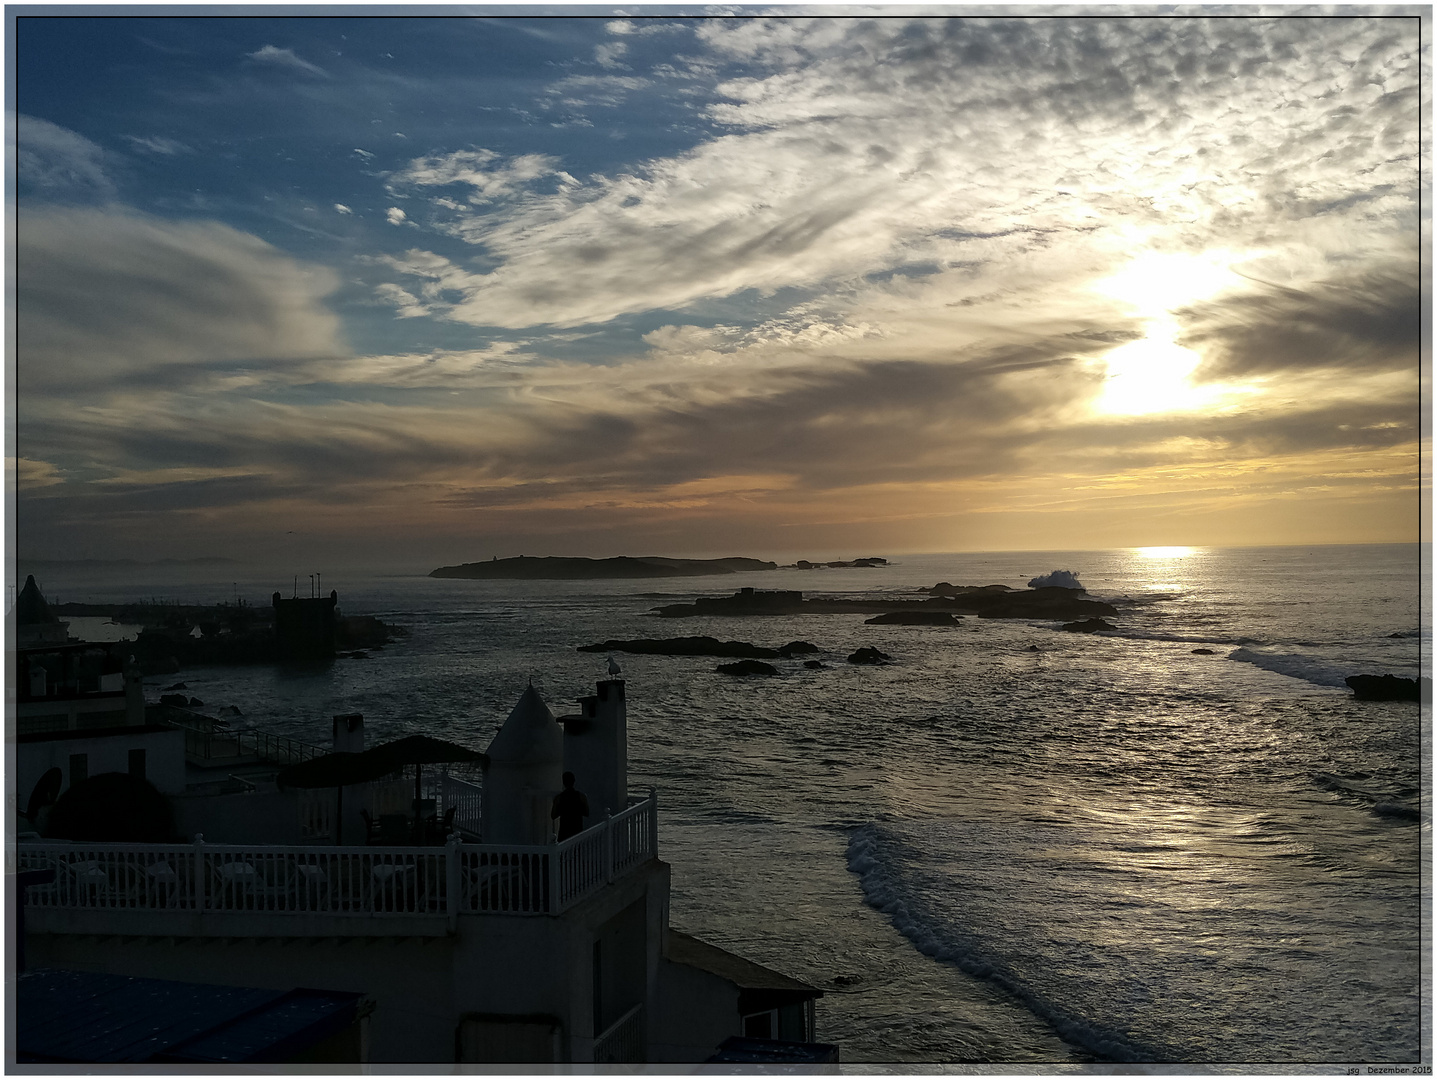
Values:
[(527, 568)]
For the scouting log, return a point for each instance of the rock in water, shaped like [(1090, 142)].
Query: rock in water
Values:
[(684, 646), (1389, 688), (912, 618), (796, 648), (747, 667), (869, 655), (1203, 652), (1088, 626)]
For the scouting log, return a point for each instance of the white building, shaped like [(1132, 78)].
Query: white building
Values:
[(499, 945)]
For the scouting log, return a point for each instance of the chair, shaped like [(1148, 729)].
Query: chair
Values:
[(88, 881), (393, 887), (311, 884), (371, 828), (161, 885), (237, 881)]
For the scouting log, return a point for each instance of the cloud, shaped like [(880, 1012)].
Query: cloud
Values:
[(608, 54), (490, 178), (158, 144), (1369, 322), (868, 291), (284, 60), (865, 146), (58, 164), (32, 474), (114, 299)]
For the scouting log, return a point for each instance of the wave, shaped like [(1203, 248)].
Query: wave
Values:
[(1313, 669), (1383, 803), (884, 891), (1182, 639)]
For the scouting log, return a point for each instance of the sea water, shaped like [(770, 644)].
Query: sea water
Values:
[(1013, 844)]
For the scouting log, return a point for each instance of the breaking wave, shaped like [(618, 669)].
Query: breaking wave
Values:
[(1057, 579), (884, 891), (1311, 669)]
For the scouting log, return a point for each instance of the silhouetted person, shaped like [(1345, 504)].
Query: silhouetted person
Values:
[(571, 807)]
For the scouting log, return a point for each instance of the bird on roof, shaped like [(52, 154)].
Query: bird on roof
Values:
[(613, 666)]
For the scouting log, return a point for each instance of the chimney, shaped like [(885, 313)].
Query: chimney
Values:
[(349, 733), (596, 748)]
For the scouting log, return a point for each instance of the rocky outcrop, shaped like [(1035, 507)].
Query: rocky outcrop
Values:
[(912, 618), (1050, 602), (1088, 626), (796, 648), (943, 588), (989, 602), (685, 646), (1389, 688), (747, 667), (869, 655)]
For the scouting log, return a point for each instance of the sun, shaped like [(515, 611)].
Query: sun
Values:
[(1154, 373)]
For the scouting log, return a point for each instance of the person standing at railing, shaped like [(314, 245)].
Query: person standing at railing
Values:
[(571, 807)]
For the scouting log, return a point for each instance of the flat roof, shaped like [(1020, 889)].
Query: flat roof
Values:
[(114, 732), (86, 1016)]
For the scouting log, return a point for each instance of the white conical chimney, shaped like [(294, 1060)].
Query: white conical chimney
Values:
[(523, 774)]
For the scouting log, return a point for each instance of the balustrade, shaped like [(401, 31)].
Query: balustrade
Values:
[(623, 1041), (442, 882)]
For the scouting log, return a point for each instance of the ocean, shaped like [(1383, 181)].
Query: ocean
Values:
[(1013, 844)]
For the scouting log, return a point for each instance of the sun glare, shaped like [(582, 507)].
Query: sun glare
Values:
[(1155, 284), (1164, 552), (1153, 374)]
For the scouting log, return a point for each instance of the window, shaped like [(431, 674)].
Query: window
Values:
[(79, 768), (137, 764), (760, 1025)]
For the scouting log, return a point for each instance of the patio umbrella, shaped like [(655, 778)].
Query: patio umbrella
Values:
[(419, 750), (337, 771), (341, 770)]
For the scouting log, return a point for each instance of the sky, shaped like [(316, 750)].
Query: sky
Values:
[(436, 289)]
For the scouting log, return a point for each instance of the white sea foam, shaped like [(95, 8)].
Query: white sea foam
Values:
[(1058, 579), (1313, 669), (883, 890)]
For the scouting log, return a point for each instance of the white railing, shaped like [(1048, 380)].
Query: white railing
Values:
[(623, 1041), (593, 857), (464, 798), (205, 878), (438, 882)]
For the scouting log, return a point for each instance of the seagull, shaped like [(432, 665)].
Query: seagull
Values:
[(613, 666)]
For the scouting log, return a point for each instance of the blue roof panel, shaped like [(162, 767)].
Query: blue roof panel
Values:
[(92, 1016)]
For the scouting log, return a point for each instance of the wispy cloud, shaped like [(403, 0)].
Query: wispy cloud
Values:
[(158, 144), (284, 60), (60, 164)]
